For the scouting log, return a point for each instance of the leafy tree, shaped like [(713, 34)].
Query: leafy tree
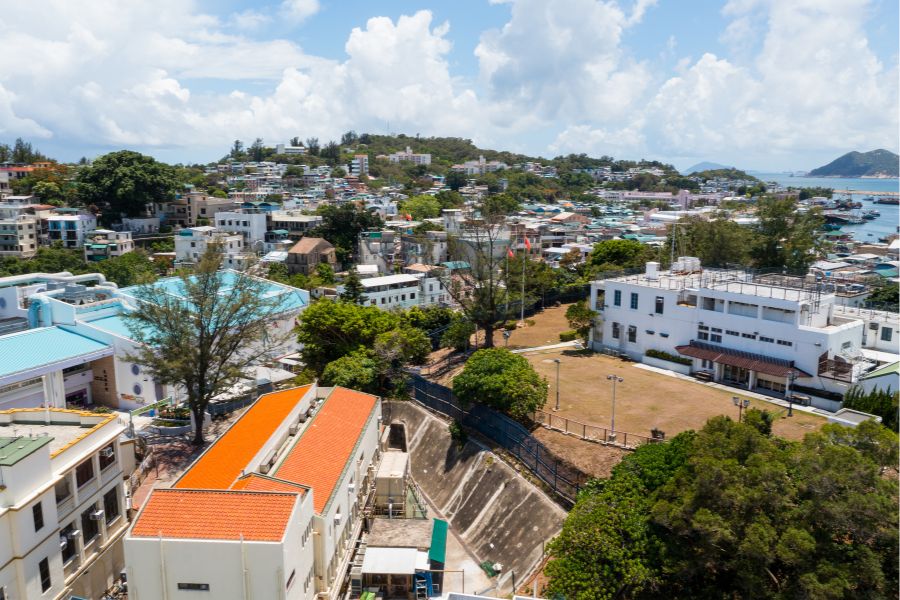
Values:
[(126, 182), (200, 337), (449, 199), (873, 440), (421, 207), (132, 268), (580, 317), (717, 242), (358, 370), (884, 403), (338, 172), (500, 204), (331, 152), (761, 420), (455, 180), (342, 224), (312, 146), (257, 150), (610, 255), (237, 150), (325, 274), (502, 380), (884, 294), (349, 139), (353, 288), (459, 334), (786, 238), (428, 319)]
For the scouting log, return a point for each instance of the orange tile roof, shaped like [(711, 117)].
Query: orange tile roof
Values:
[(318, 458), (222, 463), (215, 515), (263, 483)]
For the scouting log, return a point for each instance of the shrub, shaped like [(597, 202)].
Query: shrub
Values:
[(458, 434), (502, 380), (510, 325), (568, 336), (662, 355)]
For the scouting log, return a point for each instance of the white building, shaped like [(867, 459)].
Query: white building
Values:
[(410, 156), (191, 243), (284, 149), (270, 510), (753, 332), (141, 224), (71, 230), (402, 291), (105, 243), (359, 165), (479, 167), (62, 505), (18, 232), (250, 225)]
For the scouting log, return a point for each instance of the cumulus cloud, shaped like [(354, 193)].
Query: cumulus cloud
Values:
[(299, 10)]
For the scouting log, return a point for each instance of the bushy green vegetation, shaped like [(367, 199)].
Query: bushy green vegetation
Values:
[(883, 403), (662, 355), (730, 512), (500, 379), (125, 182)]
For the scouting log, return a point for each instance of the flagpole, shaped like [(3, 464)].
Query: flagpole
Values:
[(524, 258)]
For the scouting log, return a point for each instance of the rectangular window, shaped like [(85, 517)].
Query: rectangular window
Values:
[(702, 335), (716, 337), (660, 304), (63, 489), (617, 298), (198, 587), (634, 300), (730, 332), (84, 472), (785, 343), (632, 334), (749, 336), (886, 334), (111, 505), (107, 456), (716, 330), (707, 364), (65, 537), (769, 340), (37, 511), (90, 528), (44, 569), (703, 328), (290, 580), (615, 331)]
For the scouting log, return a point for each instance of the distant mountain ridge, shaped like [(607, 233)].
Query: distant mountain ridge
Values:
[(877, 163), (706, 166)]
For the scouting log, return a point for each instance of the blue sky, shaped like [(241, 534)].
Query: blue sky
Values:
[(761, 84)]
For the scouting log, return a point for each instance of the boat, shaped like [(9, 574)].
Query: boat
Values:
[(891, 201), (869, 215), (869, 199)]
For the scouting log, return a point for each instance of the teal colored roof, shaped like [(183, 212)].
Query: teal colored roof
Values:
[(455, 265), (41, 347), (14, 449), (114, 324), (885, 370), (438, 550)]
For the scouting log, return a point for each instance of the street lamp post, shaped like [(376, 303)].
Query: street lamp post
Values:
[(741, 404), (792, 376), (557, 361), (612, 429)]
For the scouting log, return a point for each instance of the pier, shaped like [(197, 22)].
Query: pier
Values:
[(867, 193)]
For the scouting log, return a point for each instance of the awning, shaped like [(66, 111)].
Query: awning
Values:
[(438, 550), (736, 358), (394, 561)]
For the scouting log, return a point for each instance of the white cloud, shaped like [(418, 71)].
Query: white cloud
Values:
[(299, 10)]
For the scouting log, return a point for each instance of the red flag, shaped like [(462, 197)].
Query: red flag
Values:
[(528, 244), (509, 253)]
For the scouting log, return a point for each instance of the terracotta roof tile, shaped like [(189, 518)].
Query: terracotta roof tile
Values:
[(323, 450), (215, 515), (222, 463)]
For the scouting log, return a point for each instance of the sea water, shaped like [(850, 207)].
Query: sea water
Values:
[(869, 231)]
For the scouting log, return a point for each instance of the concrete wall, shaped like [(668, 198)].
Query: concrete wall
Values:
[(499, 515)]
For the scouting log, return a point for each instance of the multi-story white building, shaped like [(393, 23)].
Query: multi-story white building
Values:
[(62, 505), (70, 229), (757, 332), (359, 165), (105, 243), (271, 510), (191, 243), (479, 167), (251, 225), (409, 156), (403, 290), (378, 248), (18, 232)]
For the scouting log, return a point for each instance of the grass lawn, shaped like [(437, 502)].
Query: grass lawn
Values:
[(645, 399)]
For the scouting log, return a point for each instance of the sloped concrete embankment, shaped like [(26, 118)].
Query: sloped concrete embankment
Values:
[(499, 515)]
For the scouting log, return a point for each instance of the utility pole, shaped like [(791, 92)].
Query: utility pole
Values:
[(615, 379), (557, 361), (792, 376), (741, 404)]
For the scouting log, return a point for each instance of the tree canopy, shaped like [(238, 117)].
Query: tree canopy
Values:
[(421, 207), (341, 225), (125, 182), (500, 379)]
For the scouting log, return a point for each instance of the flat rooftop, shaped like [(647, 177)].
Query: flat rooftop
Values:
[(24, 430), (401, 533)]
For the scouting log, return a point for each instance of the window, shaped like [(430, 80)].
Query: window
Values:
[(89, 526), (634, 300), (198, 587), (107, 456), (886, 334), (785, 343), (615, 331), (660, 304), (749, 336), (111, 505), (412, 296), (44, 569), (706, 364), (702, 335), (67, 544), (703, 328), (768, 340), (716, 337), (730, 332), (84, 472), (290, 580), (617, 298), (63, 489), (716, 330), (632, 334), (37, 511)]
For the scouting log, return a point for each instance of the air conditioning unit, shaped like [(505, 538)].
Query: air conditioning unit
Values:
[(873, 326), (63, 542), (107, 452), (295, 427), (264, 468), (97, 515), (73, 534), (351, 488)]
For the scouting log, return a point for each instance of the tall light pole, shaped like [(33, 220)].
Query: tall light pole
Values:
[(792, 376), (615, 379), (557, 361), (741, 404)]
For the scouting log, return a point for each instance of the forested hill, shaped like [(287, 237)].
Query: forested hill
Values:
[(883, 163)]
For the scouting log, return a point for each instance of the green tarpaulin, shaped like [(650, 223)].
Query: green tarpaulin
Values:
[(438, 551)]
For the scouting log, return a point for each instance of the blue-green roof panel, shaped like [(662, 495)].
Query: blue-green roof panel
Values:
[(36, 348)]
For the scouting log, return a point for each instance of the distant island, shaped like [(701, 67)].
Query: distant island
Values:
[(877, 163), (705, 166)]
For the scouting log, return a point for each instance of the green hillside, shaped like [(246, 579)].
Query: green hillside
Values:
[(861, 164)]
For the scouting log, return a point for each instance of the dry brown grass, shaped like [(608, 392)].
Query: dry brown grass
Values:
[(645, 399)]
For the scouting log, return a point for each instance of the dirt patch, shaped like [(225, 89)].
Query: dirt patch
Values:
[(646, 399), (591, 458)]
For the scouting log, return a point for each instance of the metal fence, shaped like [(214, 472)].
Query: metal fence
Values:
[(591, 433), (563, 479)]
